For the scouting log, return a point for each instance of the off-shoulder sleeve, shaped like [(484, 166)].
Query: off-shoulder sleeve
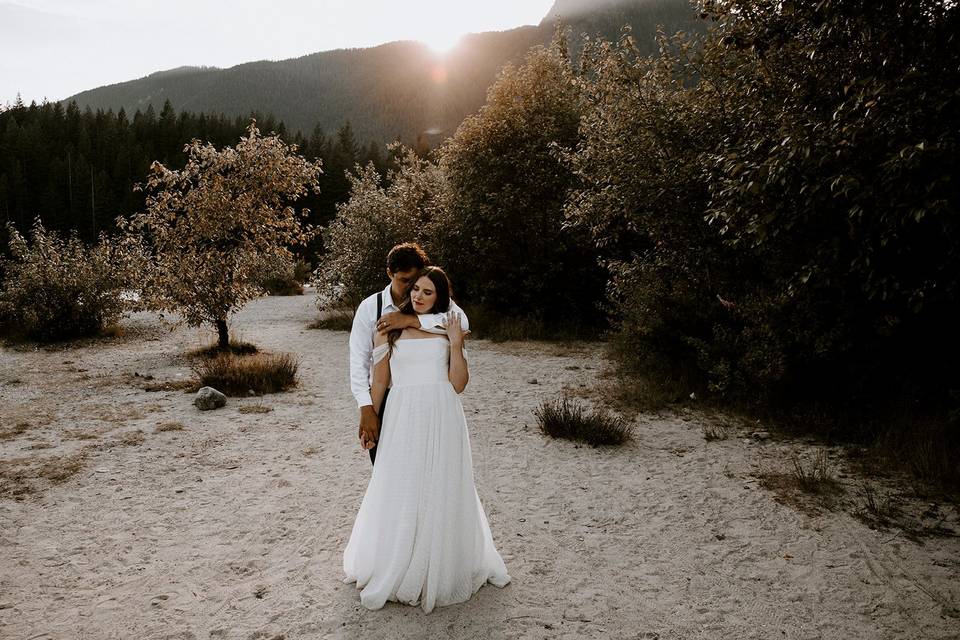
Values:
[(380, 352)]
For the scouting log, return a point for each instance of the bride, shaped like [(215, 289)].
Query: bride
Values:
[(421, 535)]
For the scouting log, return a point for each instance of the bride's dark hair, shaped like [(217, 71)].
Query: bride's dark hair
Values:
[(441, 284)]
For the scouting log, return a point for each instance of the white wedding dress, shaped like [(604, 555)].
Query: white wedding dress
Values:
[(421, 535)]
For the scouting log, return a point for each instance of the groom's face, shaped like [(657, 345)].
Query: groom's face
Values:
[(401, 282)]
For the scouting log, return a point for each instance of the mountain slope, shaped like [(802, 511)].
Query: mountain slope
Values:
[(399, 89)]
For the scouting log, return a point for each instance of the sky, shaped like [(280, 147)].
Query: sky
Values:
[(52, 49)]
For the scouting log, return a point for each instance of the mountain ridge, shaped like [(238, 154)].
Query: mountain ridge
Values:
[(399, 89)]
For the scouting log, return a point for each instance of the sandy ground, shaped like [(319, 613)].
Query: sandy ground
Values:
[(234, 525)]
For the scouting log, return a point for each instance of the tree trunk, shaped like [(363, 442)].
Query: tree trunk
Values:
[(222, 335)]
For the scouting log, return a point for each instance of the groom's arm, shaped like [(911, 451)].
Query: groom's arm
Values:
[(430, 322), (361, 346)]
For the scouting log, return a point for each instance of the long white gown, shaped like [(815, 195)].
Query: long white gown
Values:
[(421, 535)]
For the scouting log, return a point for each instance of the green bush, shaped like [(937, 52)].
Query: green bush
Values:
[(57, 288)]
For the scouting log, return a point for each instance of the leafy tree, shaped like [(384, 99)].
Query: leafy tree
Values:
[(777, 200), (503, 236), (374, 219), (213, 224)]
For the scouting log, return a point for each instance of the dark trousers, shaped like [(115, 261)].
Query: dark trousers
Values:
[(373, 449)]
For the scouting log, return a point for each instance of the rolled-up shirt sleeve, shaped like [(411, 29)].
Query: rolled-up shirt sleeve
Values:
[(361, 347), (433, 322)]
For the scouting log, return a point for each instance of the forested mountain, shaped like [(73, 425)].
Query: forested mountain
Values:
[(74, 163), (396, 90)]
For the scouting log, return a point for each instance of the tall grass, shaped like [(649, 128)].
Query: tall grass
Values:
[(239, 375), (565, 418)]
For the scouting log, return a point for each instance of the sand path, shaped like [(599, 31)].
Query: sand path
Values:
[(234, 526)]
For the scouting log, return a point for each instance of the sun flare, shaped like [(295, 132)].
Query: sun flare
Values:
[(441, 42)]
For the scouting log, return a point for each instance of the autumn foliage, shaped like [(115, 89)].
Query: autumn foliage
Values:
[(213, 226), (56, 288)]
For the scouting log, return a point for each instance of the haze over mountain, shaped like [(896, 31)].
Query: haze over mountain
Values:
[(399, 89)]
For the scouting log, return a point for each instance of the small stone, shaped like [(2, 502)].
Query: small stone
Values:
[(761, 435), (533, 381), (209, 398)]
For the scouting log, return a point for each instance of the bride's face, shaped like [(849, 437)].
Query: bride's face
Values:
[(423, 295)]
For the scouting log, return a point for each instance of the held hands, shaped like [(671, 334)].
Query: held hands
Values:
[(369, 428)]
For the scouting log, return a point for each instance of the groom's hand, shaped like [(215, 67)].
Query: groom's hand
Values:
[(369, 427), (396, 320)]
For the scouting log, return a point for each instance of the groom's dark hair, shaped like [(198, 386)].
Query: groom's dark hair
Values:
[(406, 256)]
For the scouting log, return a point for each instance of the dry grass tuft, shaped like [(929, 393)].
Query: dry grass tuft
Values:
[(565, 418), (807, 487), (876, 509), (713, 432), (113, 331), (255, 408), (131, 438), (815, 478), (238, 375), (61, 469), (338, 320), (21, 477), (19, 428), (189, 386), (77, 434), (169, 426), (236, 347)]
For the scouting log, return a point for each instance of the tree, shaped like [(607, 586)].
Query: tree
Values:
[(777, 196), (504, 239), (211, 225), (373, 220)]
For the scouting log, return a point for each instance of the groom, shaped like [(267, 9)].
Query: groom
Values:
[(381, 312)]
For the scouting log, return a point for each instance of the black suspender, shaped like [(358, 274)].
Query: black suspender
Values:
[(379, 304)]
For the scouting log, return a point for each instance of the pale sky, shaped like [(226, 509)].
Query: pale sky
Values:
[(55, 48)]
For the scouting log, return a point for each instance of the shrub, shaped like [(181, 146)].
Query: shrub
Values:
[(565, 418), (57, 288), (334, 320), (814, 478), (371, 222), (283, 275), (238, 375)]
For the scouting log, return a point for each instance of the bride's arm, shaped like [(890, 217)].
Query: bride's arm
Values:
[(381, 372), (459, 374)]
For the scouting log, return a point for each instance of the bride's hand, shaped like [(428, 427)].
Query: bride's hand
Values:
[(454, 329)]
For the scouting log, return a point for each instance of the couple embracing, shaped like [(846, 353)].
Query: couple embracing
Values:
[(421, 535)]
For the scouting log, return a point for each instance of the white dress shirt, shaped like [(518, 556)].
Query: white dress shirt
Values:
[(362, 334)]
